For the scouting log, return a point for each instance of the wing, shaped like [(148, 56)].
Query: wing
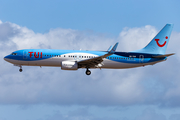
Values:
[(97, 61)]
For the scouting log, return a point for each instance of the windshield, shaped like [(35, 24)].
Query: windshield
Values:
[(13, 53)]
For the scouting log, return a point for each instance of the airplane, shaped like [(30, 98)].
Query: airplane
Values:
[(151, 54)]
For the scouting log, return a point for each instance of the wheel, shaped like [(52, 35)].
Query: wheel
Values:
[(20, 70), (88, 72)]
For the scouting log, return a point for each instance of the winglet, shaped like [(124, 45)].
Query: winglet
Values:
[(112, 50)]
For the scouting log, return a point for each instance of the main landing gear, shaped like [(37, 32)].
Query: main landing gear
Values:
[(88, 72)]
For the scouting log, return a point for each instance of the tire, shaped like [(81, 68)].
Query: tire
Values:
[(20, 70), (88, 72)]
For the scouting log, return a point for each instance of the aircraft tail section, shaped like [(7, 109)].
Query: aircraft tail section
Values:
[(159, 43)]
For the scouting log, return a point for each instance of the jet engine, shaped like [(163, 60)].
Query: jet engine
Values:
[(69, 65)]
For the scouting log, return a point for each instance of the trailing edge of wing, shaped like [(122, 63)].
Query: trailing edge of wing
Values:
[(162, 56), (92, 61), (97, 60)]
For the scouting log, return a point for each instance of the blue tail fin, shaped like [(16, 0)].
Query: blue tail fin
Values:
[(159, 43)]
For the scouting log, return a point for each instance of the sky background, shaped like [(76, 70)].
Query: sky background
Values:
[(49, 93)]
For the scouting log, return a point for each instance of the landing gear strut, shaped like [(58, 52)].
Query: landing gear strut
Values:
[(20, 70), (88, 72)]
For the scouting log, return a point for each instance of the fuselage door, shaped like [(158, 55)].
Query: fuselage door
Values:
[(141, 58), (25, 54)]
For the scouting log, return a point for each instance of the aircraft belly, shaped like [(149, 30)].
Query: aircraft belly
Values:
[(119, 65), (45, 62), (56, 62)]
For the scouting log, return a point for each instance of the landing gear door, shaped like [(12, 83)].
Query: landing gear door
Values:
[(141, 58), (25, 54)]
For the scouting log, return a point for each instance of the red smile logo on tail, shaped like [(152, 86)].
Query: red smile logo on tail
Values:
[(157, 41)]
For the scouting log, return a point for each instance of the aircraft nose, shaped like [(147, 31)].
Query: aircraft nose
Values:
[(6, 57)]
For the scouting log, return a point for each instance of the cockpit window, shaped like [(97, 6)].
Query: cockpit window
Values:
[(13, 53)]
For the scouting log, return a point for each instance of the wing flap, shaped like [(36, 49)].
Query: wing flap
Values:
[(97, 61), (88, 63)]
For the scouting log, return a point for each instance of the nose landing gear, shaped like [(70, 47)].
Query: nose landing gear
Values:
[(20, 70), (88, 72)]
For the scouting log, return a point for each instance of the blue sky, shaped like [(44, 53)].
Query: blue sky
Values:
[(97, 15), (46, 93)]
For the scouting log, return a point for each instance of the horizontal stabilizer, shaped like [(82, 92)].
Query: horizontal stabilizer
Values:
[(162, 56)]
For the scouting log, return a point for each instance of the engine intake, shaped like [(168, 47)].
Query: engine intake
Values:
[(69, 65)]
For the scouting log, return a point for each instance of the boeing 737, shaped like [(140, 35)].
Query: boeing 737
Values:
[(151, 54)]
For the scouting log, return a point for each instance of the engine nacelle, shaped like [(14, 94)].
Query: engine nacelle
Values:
[(69, 65)]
